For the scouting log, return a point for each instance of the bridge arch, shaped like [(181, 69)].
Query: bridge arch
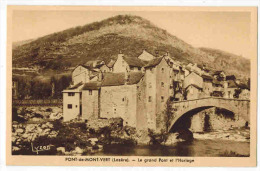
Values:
[(240, 108), (177, 123)]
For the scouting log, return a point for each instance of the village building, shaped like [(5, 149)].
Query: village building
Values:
[(14, 88), (218, 88), (137, 89), (207, 85), (124, 64), (219, 75), (231, 89), (245, 91), (193, 86), (145, 56), (158, 78)]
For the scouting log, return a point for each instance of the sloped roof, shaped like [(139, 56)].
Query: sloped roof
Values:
[(243, 86), (208, 77), (133, 61), (116, 79), (230, 77), (94, 85), (75, 86), (232, 84), (218, 72), (146, 56), (194, 85), (216, 82), (153, 62), (111, 63)]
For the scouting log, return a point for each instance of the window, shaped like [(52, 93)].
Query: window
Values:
[(123, 99), (162, 99), (90, 92), (132, 68), (162, 84), (162, 70), (69, 106), (71, 94), (150, 85), (150, 99), (139, 69)]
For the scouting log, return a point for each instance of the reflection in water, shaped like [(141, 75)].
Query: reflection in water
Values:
[(210, 148)]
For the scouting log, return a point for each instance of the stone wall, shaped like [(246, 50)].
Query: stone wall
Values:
[(119, 101), (150, 94), (163, 73), (90, 104), (141, 115), (80, 74), (215, 119)]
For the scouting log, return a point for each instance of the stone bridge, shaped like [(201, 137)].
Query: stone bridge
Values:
[(240, 108)]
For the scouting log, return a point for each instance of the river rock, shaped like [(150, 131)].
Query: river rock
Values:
[(78, 150), (172, 139), (93, 141), (61, 149), (15, 148), (20, 131)]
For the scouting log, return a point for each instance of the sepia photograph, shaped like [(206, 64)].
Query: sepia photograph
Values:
[(148, 82)]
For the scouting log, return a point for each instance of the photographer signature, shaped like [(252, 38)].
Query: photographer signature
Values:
[(37, 149)]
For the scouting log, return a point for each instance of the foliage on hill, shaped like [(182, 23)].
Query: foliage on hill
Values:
[(104, 39)]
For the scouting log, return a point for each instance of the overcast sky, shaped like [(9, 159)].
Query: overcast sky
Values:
[(228, 31)]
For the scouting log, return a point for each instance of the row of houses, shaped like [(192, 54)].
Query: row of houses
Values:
[(137, 88)]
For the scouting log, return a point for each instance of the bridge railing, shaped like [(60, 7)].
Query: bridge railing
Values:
[(204, 98), (37, 102)]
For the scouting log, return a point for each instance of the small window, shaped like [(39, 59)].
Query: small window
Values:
[(139, 69), (71, 94), (162, 70), (150, 85), (150, 99), (90, 92), (69, 106), (162, 84), (76, 106), (132, 68), (123, 99), (162, 99)]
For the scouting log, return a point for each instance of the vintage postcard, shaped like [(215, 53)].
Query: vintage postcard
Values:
[(131, 86)]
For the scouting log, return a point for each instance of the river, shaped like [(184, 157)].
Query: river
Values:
[(197, 147)]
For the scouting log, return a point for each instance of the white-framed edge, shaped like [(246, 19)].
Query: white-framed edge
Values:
[(3, 38)]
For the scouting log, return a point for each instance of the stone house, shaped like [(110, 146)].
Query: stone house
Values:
[(219, 75), (145, 56), (231, 89), (158, 79), (114, 96), (207, 85), (124, 63), (193, 78), (193, 91), (14, 88), (72, 108)]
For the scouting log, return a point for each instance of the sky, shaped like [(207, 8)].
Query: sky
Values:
[(228, 31)]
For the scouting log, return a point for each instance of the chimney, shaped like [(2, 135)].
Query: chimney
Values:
[(100, 76), (120, 55), (156, 53), (127, 77)]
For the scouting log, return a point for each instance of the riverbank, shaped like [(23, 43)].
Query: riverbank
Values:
[(43, 128)]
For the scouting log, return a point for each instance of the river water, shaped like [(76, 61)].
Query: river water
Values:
[(197, 147)]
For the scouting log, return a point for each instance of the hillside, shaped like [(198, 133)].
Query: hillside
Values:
[(104, 39)]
